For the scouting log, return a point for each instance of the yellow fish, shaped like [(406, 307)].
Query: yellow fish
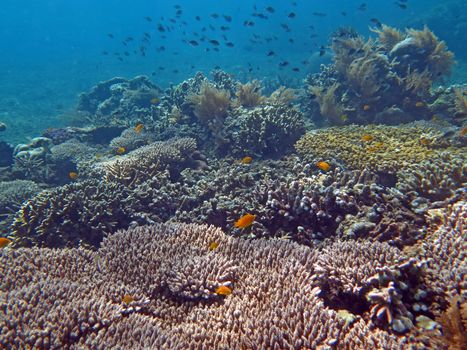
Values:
[(245, 221), (4, 242), (121, 150), (223, 290), (419, 104), (127, 299), (73, 175), (213, 245), (155, 101), (246, 160), (138, 128), (324, 166), (367, 138), (366, 107)]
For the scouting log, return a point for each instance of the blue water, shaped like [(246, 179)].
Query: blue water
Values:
[(52, 50)]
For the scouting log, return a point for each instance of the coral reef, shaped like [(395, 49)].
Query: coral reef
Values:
[(119, 102), (6, 154), (267, 130), (131, 139), (12, 195), (171, 277), (143, 163), (78, 214), (376, 147), (387, 80)]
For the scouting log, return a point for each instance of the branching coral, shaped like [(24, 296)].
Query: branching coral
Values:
[(131, 139), (270, 130)]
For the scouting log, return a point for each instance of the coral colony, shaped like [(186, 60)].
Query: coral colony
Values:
[(214, 215)]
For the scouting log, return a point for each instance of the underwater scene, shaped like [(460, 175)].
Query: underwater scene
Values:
[(233, 174)]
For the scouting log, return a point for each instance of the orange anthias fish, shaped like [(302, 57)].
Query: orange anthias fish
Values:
[(366, 107), (223, 290), (121, 150), (324, 166), (127, 299), (367, 138), (246, 160), (245, 221), (213, 245), (4, 242), (138, 128), (73, 175)]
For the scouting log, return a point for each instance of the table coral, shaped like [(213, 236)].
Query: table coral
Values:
[(272, 304)]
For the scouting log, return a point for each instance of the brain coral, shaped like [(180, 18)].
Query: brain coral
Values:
[(169, 278), (377, 147)]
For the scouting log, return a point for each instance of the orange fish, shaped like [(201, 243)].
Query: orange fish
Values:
[(246, 160), (121, 150), (424, 141), (213, 245), (127, 299), (367, 138), (223, 290), (324, 166), (245, 221), (138, 128), (366, 107), (4, 242), (73, 175)]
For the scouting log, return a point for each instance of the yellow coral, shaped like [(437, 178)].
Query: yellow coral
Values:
[(388, 36), (211, 104), (391, 149), (329, 106), (249, 94)]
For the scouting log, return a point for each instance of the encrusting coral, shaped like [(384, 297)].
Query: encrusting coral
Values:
[(376, 147), (160, 287)]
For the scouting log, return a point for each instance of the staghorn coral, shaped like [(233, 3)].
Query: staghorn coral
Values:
[(433, 183), (374, 279), (272, 304), (390, 149), (74, 215), (270, 130)]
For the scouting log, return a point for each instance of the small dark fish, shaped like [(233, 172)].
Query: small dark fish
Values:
[(110, 35), (224, 28), (270, 53), (126, 53), (160, 28), (161, 68), (270, 9), (343, 13), (322, 51), (295, 69), (147, 35), (178, 12), (376, 22), (216, 49), (175, 71), (227, 18), (285, 26), (120, 59), (129, 38), (198, 18), (283, 64), (362, 7), (147, 18), (291, 15), (291, 41), (319, 14), (214, 15), (248, 23), (229, 44), (214, 42), (193, 43), (105, 53), (401, 5), (161, 48), (172, 20)]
